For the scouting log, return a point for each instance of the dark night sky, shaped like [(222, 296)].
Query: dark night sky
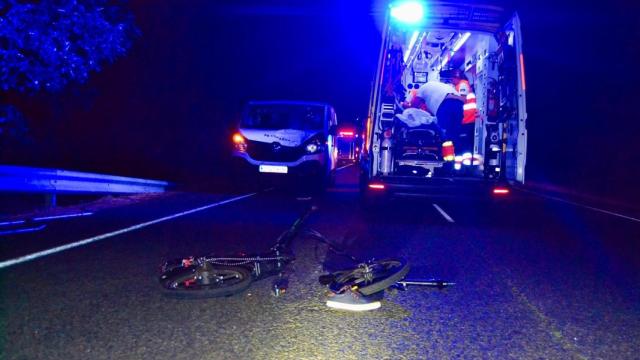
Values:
[(165, 109)]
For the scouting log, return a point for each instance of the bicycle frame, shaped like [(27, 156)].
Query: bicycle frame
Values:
[(260, 265)]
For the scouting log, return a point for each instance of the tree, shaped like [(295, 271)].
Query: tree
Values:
[(46, 44), (14, 134)]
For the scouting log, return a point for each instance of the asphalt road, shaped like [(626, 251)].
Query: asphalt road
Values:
[(535, 279)]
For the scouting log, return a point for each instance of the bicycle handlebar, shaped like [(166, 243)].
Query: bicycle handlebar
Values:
[(286, 237)]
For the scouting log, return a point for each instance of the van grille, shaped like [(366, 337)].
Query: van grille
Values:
[(268, 152)]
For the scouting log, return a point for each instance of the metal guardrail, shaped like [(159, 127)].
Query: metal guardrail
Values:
[(55, 181)]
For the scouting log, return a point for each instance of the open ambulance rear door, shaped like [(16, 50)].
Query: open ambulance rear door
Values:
[(516, 156)]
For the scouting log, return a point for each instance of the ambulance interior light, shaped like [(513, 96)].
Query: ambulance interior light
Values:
[(463, 39), (458, 44), (412, 42)]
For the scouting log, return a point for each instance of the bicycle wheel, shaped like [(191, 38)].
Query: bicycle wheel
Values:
[(201, 282), (373, 277)]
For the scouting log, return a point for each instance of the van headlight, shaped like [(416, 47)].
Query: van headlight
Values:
[(312, 148)]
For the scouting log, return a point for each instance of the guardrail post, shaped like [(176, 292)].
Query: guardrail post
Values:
[(51, 200)]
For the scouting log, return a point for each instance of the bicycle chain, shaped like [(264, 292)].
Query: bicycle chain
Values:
[(240, 261)]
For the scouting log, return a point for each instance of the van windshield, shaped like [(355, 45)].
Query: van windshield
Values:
[(284, 116)]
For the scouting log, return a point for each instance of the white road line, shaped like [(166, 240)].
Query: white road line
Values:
[(443, 213), (582, 205), (43, 218), (55, 217), (344, 167), (58, 249), (25, 230), (6, 223)]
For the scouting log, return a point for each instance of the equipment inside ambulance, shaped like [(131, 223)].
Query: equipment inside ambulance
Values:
[(477, 49)]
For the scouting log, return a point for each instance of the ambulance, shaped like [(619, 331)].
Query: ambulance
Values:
[(407, 150)]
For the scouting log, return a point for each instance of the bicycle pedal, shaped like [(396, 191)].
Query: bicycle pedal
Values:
[(280, 286)]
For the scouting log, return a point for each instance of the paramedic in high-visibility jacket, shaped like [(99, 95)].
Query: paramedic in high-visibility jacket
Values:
[(470, 112), (470, 107)]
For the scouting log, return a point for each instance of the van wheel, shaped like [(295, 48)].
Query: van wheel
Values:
[(331, 179), (239, 179)]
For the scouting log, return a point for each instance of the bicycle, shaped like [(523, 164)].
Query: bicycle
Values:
[(216, 276), (362, 287)]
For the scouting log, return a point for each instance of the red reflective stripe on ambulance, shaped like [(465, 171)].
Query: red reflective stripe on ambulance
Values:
[(524, 83)]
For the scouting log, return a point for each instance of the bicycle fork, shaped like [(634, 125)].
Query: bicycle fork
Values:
[(437, 283)]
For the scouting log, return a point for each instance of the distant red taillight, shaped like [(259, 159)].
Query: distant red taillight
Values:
[(501, 191), (376, 186)]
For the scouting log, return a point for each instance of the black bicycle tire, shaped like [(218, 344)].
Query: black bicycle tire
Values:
[(355, 276), (206, 292), (380, 282), (386, 281)]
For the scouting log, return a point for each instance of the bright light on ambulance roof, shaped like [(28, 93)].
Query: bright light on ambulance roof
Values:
[(408, 12)]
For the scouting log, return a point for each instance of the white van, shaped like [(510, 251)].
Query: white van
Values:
[(430, 41), (287, 139)]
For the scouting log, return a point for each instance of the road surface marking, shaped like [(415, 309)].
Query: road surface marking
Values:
[(55, 217), (25, 230), (344, 167), (548, 323), (43, 218), (6, 223), (443, 213), (65, 247), (582, 205)]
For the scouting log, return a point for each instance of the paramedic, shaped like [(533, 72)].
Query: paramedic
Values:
[(444, 102), (470, 112), (463, 87)]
